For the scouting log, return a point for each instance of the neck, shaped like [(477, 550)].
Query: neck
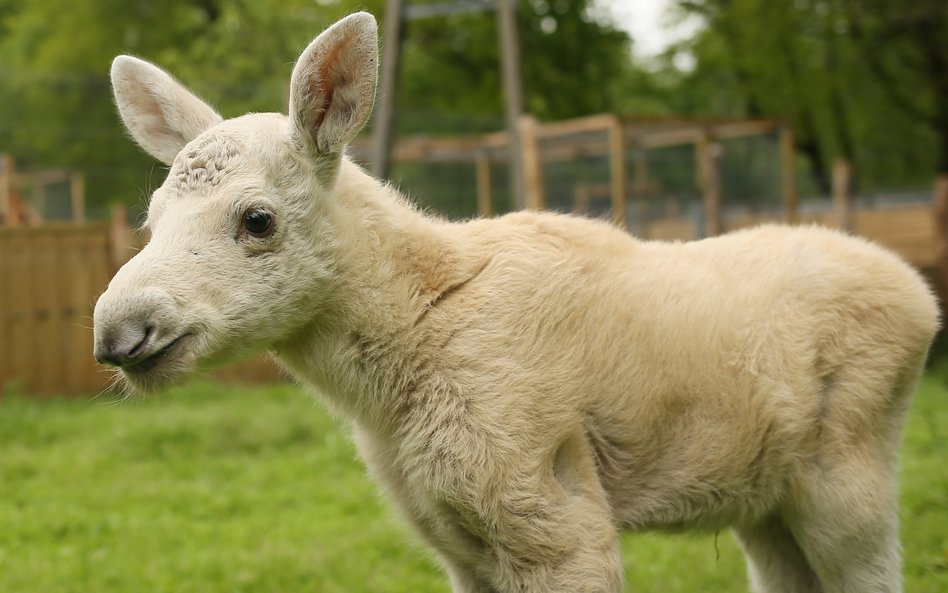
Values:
[(392, 264)]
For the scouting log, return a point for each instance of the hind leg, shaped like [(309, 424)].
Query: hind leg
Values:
[(844, 510), (848, 527), (775, 562)]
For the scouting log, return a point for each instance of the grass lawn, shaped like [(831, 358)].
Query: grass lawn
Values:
[(218, 489)]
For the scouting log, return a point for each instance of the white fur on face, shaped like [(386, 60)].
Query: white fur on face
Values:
[(233, 293), (224, 291)]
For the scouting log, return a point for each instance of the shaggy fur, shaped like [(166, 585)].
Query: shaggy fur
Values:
[(524, 387)]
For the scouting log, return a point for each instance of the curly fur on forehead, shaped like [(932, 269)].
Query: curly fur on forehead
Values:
[(205, 162)]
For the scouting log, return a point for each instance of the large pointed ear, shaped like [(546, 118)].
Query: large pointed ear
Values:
[(159, 112), (333, 85)]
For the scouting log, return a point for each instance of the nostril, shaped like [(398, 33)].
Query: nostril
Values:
[(139, 348), (124, 344), (106, 355)]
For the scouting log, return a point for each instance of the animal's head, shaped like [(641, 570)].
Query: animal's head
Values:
[(240, 249)]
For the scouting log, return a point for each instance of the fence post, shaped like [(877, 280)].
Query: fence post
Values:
[(482, 166), (7, 216), (120, 237), (842, 193), (35, 215), (77, 194), (707, 153), (640, 187), (617, 173), (941, 231), (788, 180), (532, 173), (581, 198)]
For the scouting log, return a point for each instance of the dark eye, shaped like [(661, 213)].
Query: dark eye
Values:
[(258, 222)]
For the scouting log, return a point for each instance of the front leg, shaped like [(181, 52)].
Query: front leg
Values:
[(552, 529), (544, 526), (459, 551), (464, 580)]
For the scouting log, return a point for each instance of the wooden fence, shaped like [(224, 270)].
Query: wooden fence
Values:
[(606, 135), (50, 277)]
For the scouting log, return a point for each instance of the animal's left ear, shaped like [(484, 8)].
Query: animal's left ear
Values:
[(332, 90), (159, 112)]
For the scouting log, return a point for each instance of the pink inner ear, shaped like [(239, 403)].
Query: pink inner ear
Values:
[(324, 108), (153, 117), (330, 77), (148, 112)]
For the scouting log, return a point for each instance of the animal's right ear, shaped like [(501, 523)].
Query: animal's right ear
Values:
[(158, 111), (332, 90)]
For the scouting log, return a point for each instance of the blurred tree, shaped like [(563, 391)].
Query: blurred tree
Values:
[(905, 45), (56, 108), (574, 62), (848, 74), (805, 61)]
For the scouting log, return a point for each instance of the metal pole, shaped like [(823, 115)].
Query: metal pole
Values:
[(513, 98), (382, 132)]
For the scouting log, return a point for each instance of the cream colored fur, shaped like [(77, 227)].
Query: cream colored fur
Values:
[(525, 387)]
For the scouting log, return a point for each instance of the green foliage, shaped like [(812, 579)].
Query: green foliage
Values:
[(572, 64), (858, 80), (804, 61), (56, 108), (214, 488)]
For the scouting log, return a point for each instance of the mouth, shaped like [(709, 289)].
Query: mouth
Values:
[(164, 356)]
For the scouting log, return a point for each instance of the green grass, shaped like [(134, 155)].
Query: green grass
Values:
[(218, 489)]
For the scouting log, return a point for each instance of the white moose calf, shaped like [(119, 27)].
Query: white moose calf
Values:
[(526, 386)]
